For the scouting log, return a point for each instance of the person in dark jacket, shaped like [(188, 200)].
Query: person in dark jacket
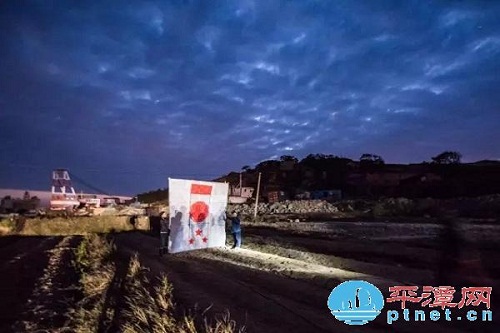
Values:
[(164, 233), (236, 230)]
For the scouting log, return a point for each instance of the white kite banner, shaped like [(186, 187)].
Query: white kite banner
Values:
[(197, 214)]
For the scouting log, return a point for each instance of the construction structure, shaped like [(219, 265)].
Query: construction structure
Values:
[(239, 194), (9, 204), (63, 196)]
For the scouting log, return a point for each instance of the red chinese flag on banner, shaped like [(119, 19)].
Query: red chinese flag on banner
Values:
[(197, 214), (199, 211)]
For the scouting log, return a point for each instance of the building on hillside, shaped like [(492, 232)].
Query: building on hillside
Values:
[(330, 195), (276, 196), (9, 204), (303, 195), (387, 178), (423, 178)]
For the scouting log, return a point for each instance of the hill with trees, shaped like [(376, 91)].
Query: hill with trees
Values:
[(444, 175)]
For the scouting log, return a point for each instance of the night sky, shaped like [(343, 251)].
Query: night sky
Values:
[(128, 93)]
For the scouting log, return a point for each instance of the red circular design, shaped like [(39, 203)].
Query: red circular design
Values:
[(199, 211)]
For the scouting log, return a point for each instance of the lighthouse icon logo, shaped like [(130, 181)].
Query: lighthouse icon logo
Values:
[(355, 302)]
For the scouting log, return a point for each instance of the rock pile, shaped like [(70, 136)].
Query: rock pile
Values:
[(132, 211), (118, 211), (286, 207), (480, 207)]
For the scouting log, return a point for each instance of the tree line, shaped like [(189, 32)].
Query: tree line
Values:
[(446, 157), (317, 161)]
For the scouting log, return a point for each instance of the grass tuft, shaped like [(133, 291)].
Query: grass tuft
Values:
[(93, 262), (151, 309), (61, 226), (145, 306), (6, 226)]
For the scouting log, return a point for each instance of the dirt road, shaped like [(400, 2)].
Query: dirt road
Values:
[(278, 293), (262, 301), (279, 281), (34, 282)]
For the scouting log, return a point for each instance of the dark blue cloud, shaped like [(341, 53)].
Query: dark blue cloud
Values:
[(127, 94)]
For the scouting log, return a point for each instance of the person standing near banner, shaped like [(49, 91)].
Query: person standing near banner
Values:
[(164, 233), (236, 230)]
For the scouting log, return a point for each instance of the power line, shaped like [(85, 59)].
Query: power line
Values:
[(83, 182)]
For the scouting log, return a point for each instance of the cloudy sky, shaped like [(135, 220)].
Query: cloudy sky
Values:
[(128, 93)]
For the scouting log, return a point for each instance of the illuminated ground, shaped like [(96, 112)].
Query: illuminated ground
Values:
[(281, 279)]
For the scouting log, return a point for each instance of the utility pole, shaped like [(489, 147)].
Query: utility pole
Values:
[(257, 198)]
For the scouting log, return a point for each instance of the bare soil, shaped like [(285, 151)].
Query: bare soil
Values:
[(278, 282), (36, 282), (281, 279)]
